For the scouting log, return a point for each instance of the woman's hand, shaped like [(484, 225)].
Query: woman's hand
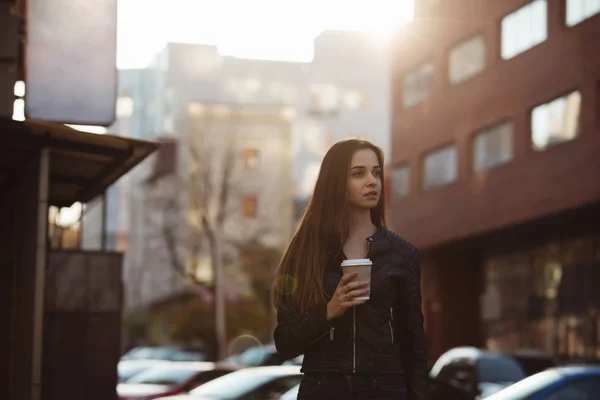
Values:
[(344, 293)]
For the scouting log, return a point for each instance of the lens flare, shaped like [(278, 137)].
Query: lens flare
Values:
[(242, 343), (286, 284)]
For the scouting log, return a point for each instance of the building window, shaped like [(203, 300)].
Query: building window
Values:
[(324, 99), (400, 182), (555, 122), (466, 59), (251, 158), (250, 206), (124, 107), (440, 167), (418, 85), (355, 100), (493, 146), (580, 10), (524, 28)]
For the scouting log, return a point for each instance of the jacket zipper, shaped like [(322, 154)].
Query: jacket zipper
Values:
[(369, 240), (390, 320), (354, 340), (331, 333)]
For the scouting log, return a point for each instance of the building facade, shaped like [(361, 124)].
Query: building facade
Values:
[(496, 173), (280, 117)]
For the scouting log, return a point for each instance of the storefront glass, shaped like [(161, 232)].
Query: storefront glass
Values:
[(546, 297)]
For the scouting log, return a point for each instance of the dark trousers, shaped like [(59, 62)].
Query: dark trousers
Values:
[(334, 386)]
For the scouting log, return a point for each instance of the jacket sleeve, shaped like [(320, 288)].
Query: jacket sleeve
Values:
[(410, 325), (293, 334)]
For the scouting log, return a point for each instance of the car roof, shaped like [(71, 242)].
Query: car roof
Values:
[(195, 365), (274, 369), (578, 369)]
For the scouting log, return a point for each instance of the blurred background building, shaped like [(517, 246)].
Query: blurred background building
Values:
[(495, 143), (278, 118)]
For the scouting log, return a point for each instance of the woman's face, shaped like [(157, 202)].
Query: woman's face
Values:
[(364, 179)]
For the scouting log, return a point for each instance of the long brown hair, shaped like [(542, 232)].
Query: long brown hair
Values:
[(324, 229)]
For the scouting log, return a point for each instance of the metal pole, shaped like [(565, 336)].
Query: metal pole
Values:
[(104, 223), (40, 275)]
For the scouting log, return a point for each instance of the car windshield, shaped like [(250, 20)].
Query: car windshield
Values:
[(498, 368), (150, 353), (234, 385), (527, 387), (253, 356), (127, 371), (164, 376)]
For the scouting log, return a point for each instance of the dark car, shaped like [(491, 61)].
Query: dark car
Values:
[(534, 360), (469, 373)]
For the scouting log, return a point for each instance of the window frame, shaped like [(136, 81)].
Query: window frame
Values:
[(503, 17), (396, 166), (547, 101), (486, 128), (443, 146), (473, 35)]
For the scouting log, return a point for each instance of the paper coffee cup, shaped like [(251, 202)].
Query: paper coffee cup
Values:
[(363, 267)]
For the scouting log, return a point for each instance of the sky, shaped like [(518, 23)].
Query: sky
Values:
[(266, 29)]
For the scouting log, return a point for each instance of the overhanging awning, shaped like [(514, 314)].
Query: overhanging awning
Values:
[(82, 165)]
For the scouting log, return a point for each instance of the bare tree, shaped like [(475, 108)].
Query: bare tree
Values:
[(191, 228)]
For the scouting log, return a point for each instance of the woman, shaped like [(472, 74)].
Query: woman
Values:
[(352, 349)]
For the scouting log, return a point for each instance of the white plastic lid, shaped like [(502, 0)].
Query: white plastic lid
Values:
[(357, 261)]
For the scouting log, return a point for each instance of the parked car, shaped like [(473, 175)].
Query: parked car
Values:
[(128, 368), (291, 394), (166, 353), (295, 361), (170, 378), (534, 360), (255, 356), (470, 373), (253, 383), (560, 383)]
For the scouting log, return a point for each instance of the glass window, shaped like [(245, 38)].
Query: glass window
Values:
[(124, 107), (524, 28), (355, 99), (400, 182), (250, 206), (499, 368), (580, 10), (493, 146), (251, 158), (555, 122), (418, 85), (163, 376), (324, 99), (466, 59), (440, 167)]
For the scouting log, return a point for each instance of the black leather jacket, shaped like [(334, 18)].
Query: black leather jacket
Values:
[(384, 335)]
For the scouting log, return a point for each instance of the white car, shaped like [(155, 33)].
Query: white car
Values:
[(260, 383)]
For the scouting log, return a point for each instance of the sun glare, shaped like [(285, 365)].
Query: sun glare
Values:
[(270, 29)]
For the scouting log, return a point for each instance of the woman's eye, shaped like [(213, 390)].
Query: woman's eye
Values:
[(358, 173)]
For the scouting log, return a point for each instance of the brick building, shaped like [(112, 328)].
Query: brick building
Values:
[(496, 170)]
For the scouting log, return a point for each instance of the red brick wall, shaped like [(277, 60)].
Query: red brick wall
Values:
[(533, 184)]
